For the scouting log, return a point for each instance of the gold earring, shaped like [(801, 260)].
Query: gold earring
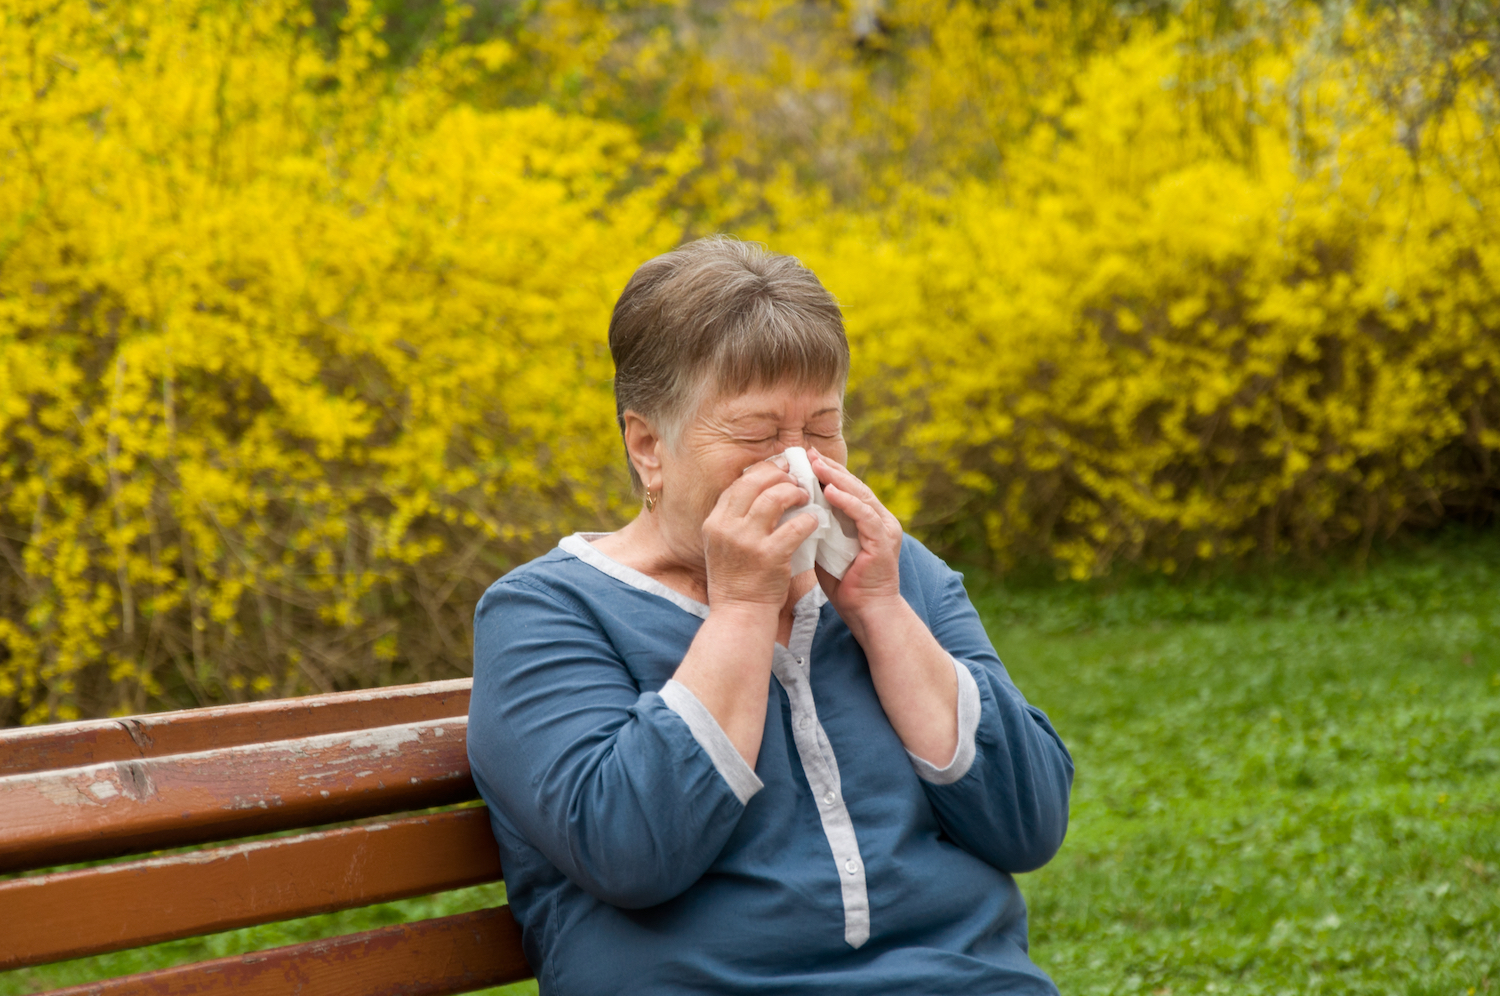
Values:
[(650, 501)]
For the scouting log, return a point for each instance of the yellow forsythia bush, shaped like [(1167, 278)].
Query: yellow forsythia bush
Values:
[(1119, 292), (1145, 342), (300, 348), (292, 349)]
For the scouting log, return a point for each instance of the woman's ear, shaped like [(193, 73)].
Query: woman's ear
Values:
[(644, 444)]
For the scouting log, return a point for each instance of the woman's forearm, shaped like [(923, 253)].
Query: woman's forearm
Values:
[(728, 669), (913, 675), (914, 678)]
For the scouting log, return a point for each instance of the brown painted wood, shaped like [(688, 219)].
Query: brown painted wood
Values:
[(454, 954), (68, 745), (127, 807), (113, 907)]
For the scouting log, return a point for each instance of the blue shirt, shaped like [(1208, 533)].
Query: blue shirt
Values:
[(643, 855)]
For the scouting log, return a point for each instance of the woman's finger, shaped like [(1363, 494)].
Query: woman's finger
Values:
[(738, 499), (774, 502), (867, 518), (791, 533), (839, 477), (832, 472)]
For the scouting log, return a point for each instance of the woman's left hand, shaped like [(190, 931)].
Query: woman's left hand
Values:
[(873, 582)]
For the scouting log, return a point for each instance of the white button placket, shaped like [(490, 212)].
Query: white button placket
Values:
[(792, 669)]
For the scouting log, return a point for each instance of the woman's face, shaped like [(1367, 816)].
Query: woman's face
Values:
[(728, 434)]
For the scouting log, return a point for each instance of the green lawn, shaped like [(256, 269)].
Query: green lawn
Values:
[(1287, 782)]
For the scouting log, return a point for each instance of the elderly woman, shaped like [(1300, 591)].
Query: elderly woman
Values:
[(711, 773)]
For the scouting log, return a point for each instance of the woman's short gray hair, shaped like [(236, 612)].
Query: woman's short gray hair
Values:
[(719, 316)]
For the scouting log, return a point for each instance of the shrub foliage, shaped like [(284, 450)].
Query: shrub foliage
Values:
[(303, 343), (1147, 341), (296, 354)]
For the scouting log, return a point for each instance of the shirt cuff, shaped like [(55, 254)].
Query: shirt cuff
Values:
[(968, 727), (711, 737)]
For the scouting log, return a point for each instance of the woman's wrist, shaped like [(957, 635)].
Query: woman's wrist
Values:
[(875, 620), (743, 611)]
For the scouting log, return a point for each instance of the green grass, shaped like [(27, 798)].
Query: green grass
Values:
[(1288, 782)]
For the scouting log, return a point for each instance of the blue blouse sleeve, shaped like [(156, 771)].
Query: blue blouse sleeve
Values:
[(607, 781), (1010, 807)]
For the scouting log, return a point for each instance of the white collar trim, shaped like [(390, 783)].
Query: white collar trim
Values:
[(579, 545)]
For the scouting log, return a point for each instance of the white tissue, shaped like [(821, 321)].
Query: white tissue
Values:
[(835, 544)]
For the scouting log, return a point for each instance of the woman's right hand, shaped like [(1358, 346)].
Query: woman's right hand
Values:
[(748, 556)]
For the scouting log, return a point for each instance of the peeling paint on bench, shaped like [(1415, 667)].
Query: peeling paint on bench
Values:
[(128, 807)]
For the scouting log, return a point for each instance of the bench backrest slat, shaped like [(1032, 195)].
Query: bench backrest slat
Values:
[(128, 807), (440, 957), (76, 913), (189, 731)]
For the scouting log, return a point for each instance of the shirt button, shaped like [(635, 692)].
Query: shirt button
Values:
[(851, 866), (828, 797), (803, 722), (801, 661)]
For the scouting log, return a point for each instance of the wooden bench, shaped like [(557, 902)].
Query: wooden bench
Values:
[(83, 792)]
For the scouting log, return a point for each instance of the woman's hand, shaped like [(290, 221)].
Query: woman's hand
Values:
[(747, 555), (873, 582)]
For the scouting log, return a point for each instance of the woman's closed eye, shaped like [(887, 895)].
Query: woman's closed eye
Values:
[(768, 440)]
